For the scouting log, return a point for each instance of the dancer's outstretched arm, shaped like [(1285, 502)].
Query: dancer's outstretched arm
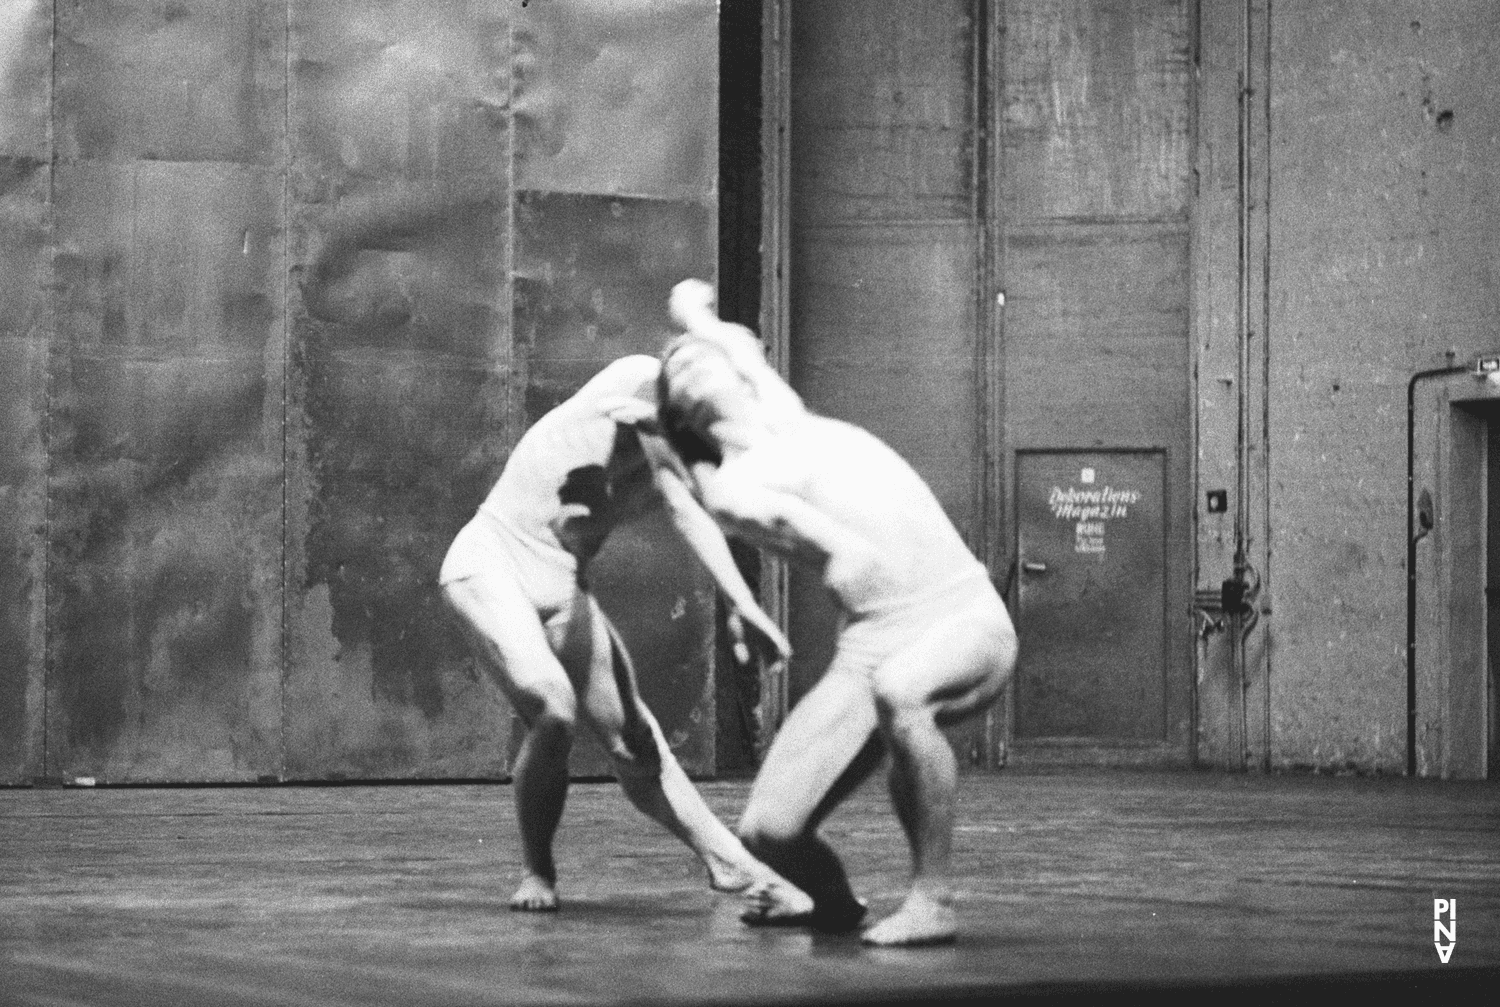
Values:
[(707, 542)]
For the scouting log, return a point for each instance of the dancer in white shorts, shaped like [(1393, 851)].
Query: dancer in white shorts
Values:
[(517, 575), (925, 640)]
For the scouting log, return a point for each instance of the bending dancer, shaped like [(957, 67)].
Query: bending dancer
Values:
[(925, 640), (517, 575)]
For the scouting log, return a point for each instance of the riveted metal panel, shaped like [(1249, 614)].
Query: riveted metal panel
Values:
[(284, 373), (164, 602), (618, 97), (400, 377), (25, 88)]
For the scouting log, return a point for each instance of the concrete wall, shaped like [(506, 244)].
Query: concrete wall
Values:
[(1385, 213), (1380, 234)]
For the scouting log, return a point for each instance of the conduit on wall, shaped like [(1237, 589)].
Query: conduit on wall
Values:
[(1243, 592)]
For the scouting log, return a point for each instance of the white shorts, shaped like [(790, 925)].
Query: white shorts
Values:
[(867, 639), (490, 545)]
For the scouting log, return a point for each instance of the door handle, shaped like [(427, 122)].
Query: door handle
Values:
[(1031, 566)]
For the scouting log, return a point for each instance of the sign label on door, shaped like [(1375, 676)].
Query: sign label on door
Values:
[(1090, 509)]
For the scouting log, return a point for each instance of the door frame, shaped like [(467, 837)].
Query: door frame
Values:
[(1454, 416)]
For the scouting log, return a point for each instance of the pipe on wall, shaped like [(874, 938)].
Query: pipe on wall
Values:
[(1242, 369), (1247, 581)]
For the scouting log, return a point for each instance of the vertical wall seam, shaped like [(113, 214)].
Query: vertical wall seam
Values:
[(50, 331), (990, 508), (774, 304), (978, 533), (1238, 660), (286, 342), (510, 381), (1267, 637), (1194, 375)]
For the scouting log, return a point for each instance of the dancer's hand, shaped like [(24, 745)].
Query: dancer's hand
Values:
[(757, 638)]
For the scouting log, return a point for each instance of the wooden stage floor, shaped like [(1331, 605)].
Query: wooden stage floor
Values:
[(1079, 883)]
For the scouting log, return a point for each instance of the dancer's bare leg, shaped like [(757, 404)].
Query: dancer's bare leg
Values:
[(508, 634), (923, 784), (824, 750), (540, 779), (952, 672), (648, 772)]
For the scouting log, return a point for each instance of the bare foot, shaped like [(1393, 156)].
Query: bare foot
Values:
[(772, 898), (922, 919), (724, 876), (536, 895)]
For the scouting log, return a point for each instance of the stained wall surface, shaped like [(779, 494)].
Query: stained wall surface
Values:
[(283, 283), (398, 383), (25, 96), (164, 411), (1385, 212)]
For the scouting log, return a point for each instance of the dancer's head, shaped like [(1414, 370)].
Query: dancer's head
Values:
[(698, 386), (691, 305)]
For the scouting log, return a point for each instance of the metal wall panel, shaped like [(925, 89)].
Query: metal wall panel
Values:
[(1097, 121), (280, 345), (616, 158), (399, 377), (1095, 336), (438, 312), (618, 97), (164, 607), (25, 95)]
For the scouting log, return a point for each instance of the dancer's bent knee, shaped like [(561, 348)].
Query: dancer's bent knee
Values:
[(550, 707), (770, 833)]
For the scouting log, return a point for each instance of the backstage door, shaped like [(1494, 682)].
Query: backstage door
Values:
[(1090, 596)]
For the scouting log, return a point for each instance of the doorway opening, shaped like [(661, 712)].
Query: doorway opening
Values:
[(737, 691), (1458, 604), (1492, 592), (740, 162)]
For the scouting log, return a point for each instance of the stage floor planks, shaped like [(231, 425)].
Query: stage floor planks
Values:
[(1075, 882)]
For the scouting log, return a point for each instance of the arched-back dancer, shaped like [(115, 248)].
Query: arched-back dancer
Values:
[(517, 577), (924, 639)]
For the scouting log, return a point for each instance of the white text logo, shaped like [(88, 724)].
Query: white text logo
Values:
[(1444, 932)]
